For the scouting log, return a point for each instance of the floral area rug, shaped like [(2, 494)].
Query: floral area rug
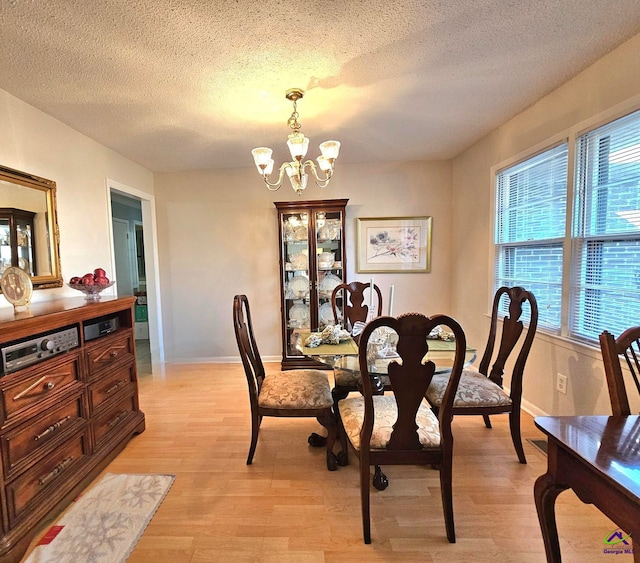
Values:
[(105, 523)]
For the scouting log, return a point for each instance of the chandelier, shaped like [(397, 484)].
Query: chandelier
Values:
[(298, 145)]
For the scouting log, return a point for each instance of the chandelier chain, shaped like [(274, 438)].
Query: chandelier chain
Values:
[(292, 122)]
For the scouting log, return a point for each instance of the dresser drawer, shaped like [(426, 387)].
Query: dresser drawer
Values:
[(111, 385), (114, 419), (108, 351), (23, 390), (33, 437), (49, 480)]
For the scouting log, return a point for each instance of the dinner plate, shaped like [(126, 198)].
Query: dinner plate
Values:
[(325, 313), (299, 286), (299, 261), (329, 283), (300, 233), (299, 314)]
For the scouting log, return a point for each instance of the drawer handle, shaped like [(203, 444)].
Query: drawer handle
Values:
[(46, 387), (120, 416), (56, 471), (113, 353), (116, 386), (52, 428)]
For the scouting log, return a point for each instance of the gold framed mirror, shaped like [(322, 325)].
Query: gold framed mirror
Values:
[(29, 235)]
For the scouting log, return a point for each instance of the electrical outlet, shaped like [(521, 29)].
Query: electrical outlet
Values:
[(561, 383)]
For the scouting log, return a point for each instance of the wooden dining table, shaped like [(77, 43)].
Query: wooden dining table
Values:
[(599, 458)]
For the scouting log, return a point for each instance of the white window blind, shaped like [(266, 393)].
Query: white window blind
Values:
[(531, 203), (605, 271)]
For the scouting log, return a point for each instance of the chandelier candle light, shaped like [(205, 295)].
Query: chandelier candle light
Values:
[(298, 145)]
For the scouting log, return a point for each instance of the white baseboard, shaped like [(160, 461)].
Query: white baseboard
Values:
[(528, 407)]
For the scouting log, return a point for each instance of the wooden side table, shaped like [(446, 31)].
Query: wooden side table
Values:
[(599, 458)]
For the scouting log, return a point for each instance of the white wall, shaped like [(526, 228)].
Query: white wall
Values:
[(609, 86), (33, 142), (218, 236)]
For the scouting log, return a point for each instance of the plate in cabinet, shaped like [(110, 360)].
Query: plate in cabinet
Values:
[(325, 314), (299, 315), (329, 283), (298, 287), (300, 233)]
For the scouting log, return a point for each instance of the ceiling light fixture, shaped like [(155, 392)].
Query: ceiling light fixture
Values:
[(298, 145)]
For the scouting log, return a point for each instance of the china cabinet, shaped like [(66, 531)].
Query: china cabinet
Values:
[(17, 245), (312, 264)]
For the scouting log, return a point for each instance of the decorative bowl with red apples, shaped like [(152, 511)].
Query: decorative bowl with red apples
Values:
[(91, 284)]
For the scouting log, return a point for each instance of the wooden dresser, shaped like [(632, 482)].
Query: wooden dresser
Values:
[(68, 406)]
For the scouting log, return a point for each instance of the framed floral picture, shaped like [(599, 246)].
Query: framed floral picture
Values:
[(393, 244)]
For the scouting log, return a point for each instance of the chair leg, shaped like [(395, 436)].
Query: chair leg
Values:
[(514, 424), (365, 499), (343, 455), (446, 490), (255, 430), (328, 420), (338, 394), (487, 420)]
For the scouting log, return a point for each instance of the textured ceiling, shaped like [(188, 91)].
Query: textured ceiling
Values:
[(177, 85)]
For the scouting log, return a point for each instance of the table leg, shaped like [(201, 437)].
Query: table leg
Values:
[(545, 492)]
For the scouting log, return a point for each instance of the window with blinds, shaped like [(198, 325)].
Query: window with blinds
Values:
[(603, 258), (531, 205), (605, 279)]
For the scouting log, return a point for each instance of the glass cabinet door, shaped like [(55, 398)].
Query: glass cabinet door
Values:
[(311, 238), (296, 281), (24, 242), (328, 235), (16, 240), (5, 244)]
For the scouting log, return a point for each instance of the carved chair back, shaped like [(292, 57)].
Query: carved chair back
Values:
[(249, 354), (628, 346), (512, 330), (353, 305)]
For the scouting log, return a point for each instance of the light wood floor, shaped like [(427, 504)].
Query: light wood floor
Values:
[(286, 507)]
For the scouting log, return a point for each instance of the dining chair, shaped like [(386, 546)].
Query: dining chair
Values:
[(348, 303), (291, 393), (627, 345), (480, 391), (398, 427)]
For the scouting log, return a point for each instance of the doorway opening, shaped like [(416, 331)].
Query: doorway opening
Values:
[(135, 268)]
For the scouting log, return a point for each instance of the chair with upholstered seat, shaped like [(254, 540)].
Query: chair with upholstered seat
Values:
[(480, 391), (628, 346), (398, 427), (348, 303), (293, 393)]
